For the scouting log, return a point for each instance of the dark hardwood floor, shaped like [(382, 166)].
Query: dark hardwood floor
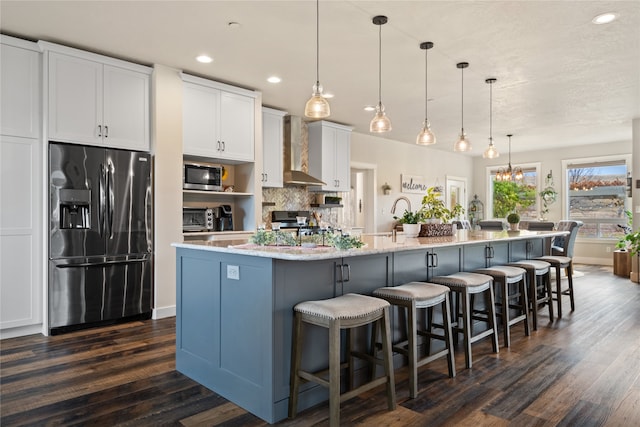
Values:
[(583, 370)]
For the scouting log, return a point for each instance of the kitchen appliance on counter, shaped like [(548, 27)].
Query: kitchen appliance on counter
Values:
[(100, 236), (289, 221), (197, 219), (224, 218), (201, 176)]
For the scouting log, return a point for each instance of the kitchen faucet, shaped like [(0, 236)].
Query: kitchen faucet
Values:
[(393, 208)]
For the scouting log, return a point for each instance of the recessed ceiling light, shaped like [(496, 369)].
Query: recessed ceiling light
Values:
[(274, 79), (205, 59), (605, 18), (369, 108), (328, 95)]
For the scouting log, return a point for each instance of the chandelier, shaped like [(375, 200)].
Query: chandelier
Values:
[(511, 173)]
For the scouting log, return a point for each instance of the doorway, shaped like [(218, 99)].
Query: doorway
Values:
[(456, 192), (361, 203)]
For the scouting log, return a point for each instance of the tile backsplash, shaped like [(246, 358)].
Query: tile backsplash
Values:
[(296, 198)]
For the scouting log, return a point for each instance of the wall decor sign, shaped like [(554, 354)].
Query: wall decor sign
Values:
[(413, 184)]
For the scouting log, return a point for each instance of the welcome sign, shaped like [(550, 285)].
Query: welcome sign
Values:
[(413, 184)]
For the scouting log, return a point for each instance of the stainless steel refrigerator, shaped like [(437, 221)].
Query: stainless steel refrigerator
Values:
[(100, 239)]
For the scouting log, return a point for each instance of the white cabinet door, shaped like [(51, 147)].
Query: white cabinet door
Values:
[(329, 155), (21, 232), (91, 102), (342, 151), (75, 99), (126, 109), (20, 88), (237, 126), (272, 154), (200, 121)]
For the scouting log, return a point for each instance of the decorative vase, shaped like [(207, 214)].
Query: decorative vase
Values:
[(411, 230), (514, 226)]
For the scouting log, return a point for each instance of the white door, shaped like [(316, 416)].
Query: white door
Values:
[(456, 193)]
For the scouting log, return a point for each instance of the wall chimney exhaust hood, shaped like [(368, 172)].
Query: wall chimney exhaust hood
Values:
[(294, 151)]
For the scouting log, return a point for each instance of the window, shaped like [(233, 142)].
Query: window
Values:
[(597, 196), (521, 196)]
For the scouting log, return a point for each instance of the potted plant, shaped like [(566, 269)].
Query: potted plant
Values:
[(434, 210), (513, 219), (410, 222)]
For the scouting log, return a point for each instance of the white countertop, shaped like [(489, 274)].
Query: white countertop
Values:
[(374, 244)]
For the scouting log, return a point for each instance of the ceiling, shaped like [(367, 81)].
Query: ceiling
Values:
[(561, 80)]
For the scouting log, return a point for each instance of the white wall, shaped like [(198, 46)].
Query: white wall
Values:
[(394, 158), (589, 252), (166, 124)]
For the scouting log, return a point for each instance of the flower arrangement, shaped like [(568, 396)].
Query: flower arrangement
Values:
[(344, 241)]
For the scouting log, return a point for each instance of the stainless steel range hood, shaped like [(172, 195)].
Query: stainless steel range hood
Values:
[(295, 155)]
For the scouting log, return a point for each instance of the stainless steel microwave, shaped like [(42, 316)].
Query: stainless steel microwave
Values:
[(201, 176)]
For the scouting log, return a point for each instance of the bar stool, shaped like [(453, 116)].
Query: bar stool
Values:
[(414, 296), (466, 285), (540, 293), (503, 276), (344, 312)]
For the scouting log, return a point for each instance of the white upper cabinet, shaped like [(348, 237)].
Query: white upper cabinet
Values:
[(218, 120), (329, 155), (272, 154), (97, 100), (20, 87)]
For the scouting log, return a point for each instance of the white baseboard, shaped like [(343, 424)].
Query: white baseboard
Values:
[(593, 260), (162, 312), (21, 331)]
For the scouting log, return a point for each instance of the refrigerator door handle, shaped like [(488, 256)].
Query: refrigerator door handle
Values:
[(101, 208), (98, 264), (110, 200)]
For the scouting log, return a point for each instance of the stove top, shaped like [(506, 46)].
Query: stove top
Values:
[(288, 218)]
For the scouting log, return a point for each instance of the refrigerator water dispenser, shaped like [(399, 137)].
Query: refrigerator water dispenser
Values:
[(75, 209)]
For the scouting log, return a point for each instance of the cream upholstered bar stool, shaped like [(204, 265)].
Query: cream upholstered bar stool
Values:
[(562, 258), (503, 277), (421, 295), (344, 312), (465, 286), (539, 286)]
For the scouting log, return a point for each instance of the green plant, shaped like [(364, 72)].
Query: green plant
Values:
[(409, 217), (632, 242), (513, 218), (624, 243), (433, 207), (263, 237), (340, 241)]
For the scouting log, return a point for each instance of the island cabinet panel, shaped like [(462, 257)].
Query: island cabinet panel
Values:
[(484, 255), (295, 282), (224, 326), (525, 249)]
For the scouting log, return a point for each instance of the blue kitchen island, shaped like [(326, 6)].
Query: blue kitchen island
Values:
[(234, 303)]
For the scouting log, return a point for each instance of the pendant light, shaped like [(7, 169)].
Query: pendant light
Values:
[(426, 136), (380, 122), (462, 144), (317, 106), (509, 174), (490, 152)]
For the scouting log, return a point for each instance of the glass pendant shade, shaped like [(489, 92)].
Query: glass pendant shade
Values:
[(426, 136), (463, 143), (380, 122), (491, 152), (317, 106)]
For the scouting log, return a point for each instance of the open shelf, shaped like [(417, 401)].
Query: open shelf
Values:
[(217, 193), (325, 205)]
